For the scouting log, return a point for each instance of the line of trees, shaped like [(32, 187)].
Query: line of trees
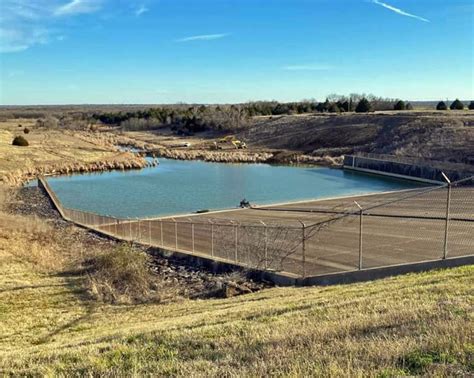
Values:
[(188, 119), (183, 119)]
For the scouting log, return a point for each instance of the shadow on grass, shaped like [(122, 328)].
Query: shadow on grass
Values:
[(74, 283)]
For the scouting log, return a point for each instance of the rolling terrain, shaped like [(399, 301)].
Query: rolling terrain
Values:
[(437, 136), (409, 325)]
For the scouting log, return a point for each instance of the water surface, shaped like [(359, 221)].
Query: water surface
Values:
[(180, 187)]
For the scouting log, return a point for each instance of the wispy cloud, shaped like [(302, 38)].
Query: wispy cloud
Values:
[(203, 37), (15, 40), (140, 10), (308, 67), (399, 11), (26, 23), (77, 7)]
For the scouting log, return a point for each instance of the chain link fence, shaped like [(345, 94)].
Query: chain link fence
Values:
[(336, 235)]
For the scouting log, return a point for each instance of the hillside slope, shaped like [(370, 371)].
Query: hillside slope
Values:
[(414, 324), (439, 136)]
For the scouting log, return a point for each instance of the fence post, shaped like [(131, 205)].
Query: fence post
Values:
[(116, 227), (130, 228), (236, 257), (361, 217), (161, 233), (448, 204), (139, 231), (212, 238), (176, 234), (149, 232), (303, 244), (192, 231), (265, 240), (446, 227), (360, 237), (266, 247)]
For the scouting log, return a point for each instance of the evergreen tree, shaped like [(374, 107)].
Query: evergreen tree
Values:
[(363, 106), (471, 105), (441, 106), (320, 107), (400, 105), (346, 106), (457, 105)]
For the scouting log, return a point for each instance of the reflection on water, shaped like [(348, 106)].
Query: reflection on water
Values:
[(178, 187)]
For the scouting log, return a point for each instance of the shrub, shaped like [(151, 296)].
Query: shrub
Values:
[(417, 362), (471, 105), (363, 106), (120, 275), (320, 107), (26, 130), (409, 106), (400, 105), (441, 106), (20, 141), (457, 105), (333, 108), (346, 106)]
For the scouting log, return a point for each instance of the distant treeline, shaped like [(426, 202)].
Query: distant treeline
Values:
[(186, 119)]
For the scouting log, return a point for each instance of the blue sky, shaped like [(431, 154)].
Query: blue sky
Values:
[(219, 51)]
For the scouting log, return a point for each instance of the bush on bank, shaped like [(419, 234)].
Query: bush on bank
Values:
[(20, 141)]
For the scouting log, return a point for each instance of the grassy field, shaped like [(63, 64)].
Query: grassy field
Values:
[(50, 150), (414, 324)]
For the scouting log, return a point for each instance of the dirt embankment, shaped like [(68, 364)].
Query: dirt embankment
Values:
[(161, 145), (445, 136)]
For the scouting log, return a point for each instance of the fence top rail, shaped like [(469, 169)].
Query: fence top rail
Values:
[(466, 179)]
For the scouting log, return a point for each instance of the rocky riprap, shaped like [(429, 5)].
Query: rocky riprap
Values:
[(183, 280)]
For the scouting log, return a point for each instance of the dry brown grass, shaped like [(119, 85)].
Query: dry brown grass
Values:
[(55, 150), (417, 324), (31, 239), (410, 325), (121, 275)]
